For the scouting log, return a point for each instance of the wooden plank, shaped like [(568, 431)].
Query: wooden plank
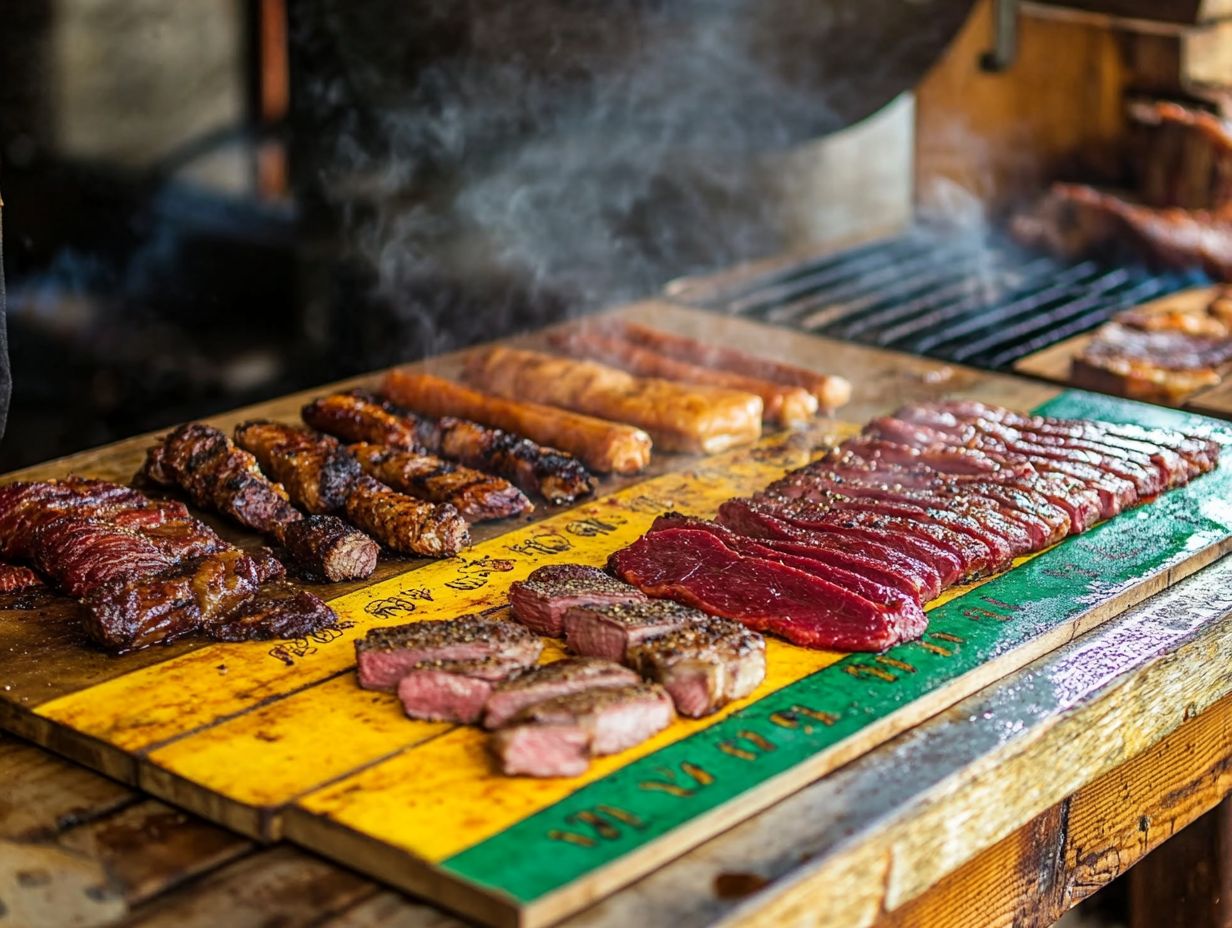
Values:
[(226, 730), (277, 886), (43, 795), (1187, 881)]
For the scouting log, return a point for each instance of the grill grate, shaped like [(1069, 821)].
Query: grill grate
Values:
[(977, 299)]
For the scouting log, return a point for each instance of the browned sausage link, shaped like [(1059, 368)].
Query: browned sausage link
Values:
[(477, 496), (315, 469), (603, 446), (355, 416), (831, 391), (782, 403), (405, 524), (678, 417)]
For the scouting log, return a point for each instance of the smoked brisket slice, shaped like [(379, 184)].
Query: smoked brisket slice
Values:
[(127, 614), (384, 655), (277, 610), (696, 568), (541, 600)]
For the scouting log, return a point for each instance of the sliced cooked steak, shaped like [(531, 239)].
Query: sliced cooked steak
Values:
[(385, 655), (542, 599), (555, 737), (542, 750), (82, 554), (609, 630), (453, 691), (704, 665), (696, 568), (278, 610), (547, 681)]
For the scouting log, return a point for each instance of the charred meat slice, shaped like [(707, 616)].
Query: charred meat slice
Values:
[(82, 554), (477, 496), (548, 681), (403, 523), (453, 691), (556, 737), (696, 568), (541, 600), (127, 614), (315, 469), (325, 548), (278, 610), (609, 630), (16, 579), (704, 665), (221, 477), (385, 655), (360, 416)]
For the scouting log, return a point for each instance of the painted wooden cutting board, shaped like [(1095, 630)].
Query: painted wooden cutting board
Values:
[(277, 740)]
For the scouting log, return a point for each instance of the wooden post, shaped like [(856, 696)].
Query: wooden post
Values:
[(1188, 879)]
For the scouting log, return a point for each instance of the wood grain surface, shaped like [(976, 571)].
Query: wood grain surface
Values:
[(103, 711)]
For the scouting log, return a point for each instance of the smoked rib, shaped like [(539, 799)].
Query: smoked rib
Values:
[(677, 417), (604, 447)]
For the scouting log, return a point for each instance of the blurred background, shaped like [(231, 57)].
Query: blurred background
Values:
[(206, 204)]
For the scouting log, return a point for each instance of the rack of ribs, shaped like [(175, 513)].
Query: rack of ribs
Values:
[(360, 416), (221, 477), (144, 570)]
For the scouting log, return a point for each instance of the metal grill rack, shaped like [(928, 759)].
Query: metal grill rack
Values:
[(958, 296)]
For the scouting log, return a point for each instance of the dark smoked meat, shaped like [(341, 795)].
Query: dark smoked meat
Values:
[(222, 477), (277, 610), (403, 523), (556, 738), (17, 579), (479, 497), (360, 416), (548, 681), (384, 655), (696, 568), (703, 665), (324, 548), (541, 600), (315, 469), (124, 615), (81, 554)]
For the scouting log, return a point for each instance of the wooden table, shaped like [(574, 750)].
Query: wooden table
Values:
[(1007, 808)]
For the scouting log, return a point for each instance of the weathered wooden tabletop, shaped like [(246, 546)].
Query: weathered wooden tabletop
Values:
[(1005, 809)]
